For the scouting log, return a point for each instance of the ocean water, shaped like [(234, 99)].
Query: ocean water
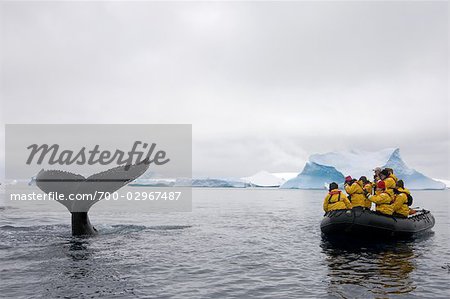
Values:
[(236, 243)]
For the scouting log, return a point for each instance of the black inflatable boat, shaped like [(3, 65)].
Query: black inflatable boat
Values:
[(367, 223)]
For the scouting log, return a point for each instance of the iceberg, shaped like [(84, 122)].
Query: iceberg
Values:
[(286, 176), (446, 182), (153, 179), (153, 182), (264, 179), (412, 178), (190, 182), (358, 163), (314, 176), (211, 183), (355, 162)]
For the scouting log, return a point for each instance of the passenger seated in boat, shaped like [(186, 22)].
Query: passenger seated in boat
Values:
[(389, 182), (368, 190), (400, 186), (382, 199), (376, 175), (402, 200), (336, 199), (355, 192), (391, 174)]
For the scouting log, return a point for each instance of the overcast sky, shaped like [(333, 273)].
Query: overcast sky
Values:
[(264, 84)]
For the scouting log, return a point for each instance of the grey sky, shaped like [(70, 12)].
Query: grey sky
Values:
[(264, 84)]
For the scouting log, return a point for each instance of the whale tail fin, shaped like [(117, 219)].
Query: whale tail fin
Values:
[(92, 188)]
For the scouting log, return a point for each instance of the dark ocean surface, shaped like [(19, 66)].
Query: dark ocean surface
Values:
[(236, 243)]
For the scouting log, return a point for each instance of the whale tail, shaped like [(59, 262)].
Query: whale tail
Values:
[(74, 187)]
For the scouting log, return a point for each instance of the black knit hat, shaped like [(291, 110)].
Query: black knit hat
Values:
[(333, 186), (385, 172)]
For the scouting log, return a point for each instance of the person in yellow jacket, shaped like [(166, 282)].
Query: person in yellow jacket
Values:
[(376, 174), (355, 193), (336, 199), (376, 177), (401, 187), (368, 190), (391, 174), (400, 205), (382, 199), (388, 181)]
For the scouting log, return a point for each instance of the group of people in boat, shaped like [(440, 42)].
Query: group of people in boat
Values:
[(386, 191)]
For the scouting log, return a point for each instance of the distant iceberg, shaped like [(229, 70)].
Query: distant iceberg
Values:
[(264, 179), (286, 176), (153, 179), (355, 162), (191, 182), (412, 178), (314, 176), (211, 183), (446, 182), (358, 163), (153, 182)]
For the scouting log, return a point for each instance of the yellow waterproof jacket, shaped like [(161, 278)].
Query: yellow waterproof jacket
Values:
[(394, 177), (400, 205), (390, 186), (383, 202), (336, 200), (368, 188), (404, 190), (357, 196)]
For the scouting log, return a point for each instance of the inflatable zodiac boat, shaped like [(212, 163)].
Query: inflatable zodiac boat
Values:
[(368, 223)]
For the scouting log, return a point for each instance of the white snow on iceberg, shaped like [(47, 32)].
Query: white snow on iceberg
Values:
[(286, 176), (263, 179), (314, 176)]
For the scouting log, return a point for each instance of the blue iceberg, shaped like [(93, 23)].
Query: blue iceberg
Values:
[(314, 176), (412, 178)]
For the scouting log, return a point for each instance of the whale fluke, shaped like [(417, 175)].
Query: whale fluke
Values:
[(93, 188)]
